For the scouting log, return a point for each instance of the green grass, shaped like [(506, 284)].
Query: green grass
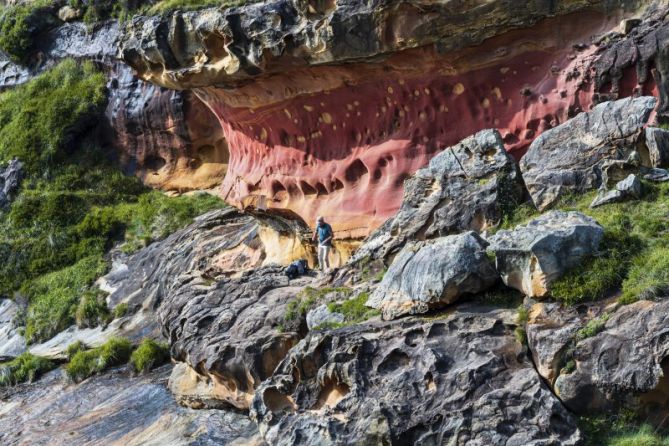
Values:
[(620, 429), (20, 24), (648, 276), (593, 327), (187, 5), (75, 348), (75, 203), (354, 310), (635, 232), (24, 368), (54, 297), (523, 315), (120, 310), (148, 355), (92, 309), (86, 363)]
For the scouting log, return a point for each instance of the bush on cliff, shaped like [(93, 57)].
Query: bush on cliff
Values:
[(20, 24), (86, 363), (149, 355), (24, 368)]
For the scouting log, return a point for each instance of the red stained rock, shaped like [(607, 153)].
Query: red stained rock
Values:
[(344, 152)]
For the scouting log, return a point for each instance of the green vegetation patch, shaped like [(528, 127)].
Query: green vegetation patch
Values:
[(148, 355), (593, 327), (620, 429), (75, 203), (648, 276), (86, 363), (354, 310), (24, 368), (21, 23)]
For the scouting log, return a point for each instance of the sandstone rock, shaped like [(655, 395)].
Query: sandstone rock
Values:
[(657, 142), (321, 315), (231, 332), (629, 188), (624, 365), (373, 88), (11, 177), (466, 187), (532, 256), (568, 158), (194, 390), (550, 332), (114, 409), (12, 343), (428, 275), (460, 380)]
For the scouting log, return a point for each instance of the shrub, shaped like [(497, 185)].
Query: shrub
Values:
[(354, 310), (644, 436), (86, 363), (54, 297), (523, 315), (74, 348), (149, 354), (20, 24), (120, 310), (25, 367), (92, 309)]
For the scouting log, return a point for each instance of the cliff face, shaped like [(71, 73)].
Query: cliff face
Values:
[(328, 106)]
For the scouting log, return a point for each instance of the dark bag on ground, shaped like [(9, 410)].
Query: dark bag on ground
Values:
[(296, 269)]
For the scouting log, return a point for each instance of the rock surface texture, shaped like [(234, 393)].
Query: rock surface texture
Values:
[(429, 275), (569, 158), (458, 380), (12, 343), (327, 107), (11, 177), (532, 256), (116, 409), (629, 188), (466, 187)]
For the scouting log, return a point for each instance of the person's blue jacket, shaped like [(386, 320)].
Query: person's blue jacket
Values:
[(324, 231)]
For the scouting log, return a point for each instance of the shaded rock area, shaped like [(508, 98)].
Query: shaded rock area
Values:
[(429, 275), (11, 177), (113, 409), (623, 365), (532, 256), (460, 380), (12, 343), (569, 157), (466, 187)]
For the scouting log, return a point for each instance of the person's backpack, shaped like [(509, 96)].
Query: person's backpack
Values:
[(296, 269)]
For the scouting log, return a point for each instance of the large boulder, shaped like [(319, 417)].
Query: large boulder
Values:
[(428, 275), (460, 380), (466, 187), (532, 256), (625, 364), (568, 158)]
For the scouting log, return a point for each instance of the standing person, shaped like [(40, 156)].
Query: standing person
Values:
[(323, 234)]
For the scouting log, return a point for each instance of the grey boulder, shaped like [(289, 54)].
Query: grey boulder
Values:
[(431, 274), (532, 256), (466, 187), (629, 188), (11, 177), (12, 343), (321, 315), (460, 380), (657, 142), (569, 157)]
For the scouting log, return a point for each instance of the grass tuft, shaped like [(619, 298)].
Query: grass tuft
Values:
[(24, 368), (149, 354), (86, 363)]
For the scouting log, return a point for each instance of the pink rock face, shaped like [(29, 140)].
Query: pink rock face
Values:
[(339, 141)]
